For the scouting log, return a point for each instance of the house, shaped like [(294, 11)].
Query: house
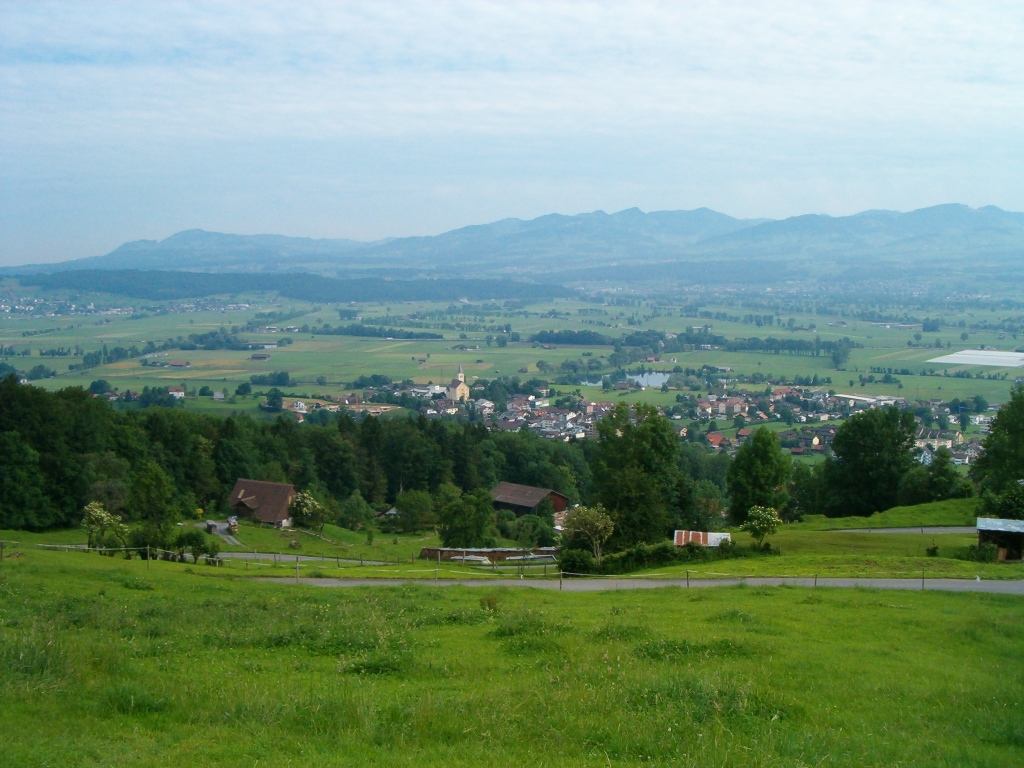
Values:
[(937, 438), (1007, 535), (180, 364), (524, 499), (178, 392), (263, 502), (716, 440), (218, 396)]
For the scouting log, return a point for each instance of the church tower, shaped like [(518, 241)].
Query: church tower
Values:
[(458, 390)]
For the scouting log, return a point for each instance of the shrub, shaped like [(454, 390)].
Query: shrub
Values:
[(577, 561), (978, 553)]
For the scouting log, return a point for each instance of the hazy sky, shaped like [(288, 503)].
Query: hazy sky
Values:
[(129, 120)]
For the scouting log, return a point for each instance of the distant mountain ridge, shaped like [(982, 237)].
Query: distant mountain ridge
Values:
[(614, 246)]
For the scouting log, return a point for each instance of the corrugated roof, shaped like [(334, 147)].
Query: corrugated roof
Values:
[(997, 524)]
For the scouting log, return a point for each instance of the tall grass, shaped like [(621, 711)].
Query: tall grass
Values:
[(95, 671)]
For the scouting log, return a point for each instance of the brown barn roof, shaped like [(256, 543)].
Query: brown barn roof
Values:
[(269, 501), (521, 495)]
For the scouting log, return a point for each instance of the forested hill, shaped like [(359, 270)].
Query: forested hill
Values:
[(666, 244), (160, 285)]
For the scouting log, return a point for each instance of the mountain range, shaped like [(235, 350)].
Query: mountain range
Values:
[(700, 244)]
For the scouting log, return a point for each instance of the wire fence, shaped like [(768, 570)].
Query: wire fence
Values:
[(314, 565)]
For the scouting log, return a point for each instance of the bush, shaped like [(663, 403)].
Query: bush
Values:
[(978, 553), (577, 561)]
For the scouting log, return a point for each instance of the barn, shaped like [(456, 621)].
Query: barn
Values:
[(524, 499)]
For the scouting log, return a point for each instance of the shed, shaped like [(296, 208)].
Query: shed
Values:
[(704, 538), (265, 502), (1007, 535), (524, 499)]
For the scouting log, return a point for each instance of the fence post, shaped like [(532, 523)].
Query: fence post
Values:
[(296, 569), (687, 578), (560, 581), (147, 557), (815, 579), (922, 579)]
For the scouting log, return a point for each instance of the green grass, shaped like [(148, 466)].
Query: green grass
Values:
[(952, 512), (103, 662), (342, 359)]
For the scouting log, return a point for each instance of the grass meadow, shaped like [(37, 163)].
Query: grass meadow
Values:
[(106, 663), (342, 359)]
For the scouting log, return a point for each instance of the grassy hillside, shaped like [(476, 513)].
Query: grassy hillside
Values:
[(105, 663), (952, 512)]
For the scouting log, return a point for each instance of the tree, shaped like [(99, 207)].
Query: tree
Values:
[(840, 355), (705, 509), (592, 524), (308, 512), (245, 388), (761, 522), (532, 531), (759, 475), (465, 519), (415, 511), (1007, 506), (192, 540), (23, 501), (151, 499), (98, 524), (275, 399), (872, 450), (100, 386), (1001, 466), (355, 513), (636, 472)]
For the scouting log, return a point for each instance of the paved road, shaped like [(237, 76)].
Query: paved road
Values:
[(224, 532), (919, 529), (599, 585)]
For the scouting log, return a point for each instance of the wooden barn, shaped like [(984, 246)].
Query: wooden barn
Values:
[(263, 502), (524, 499)]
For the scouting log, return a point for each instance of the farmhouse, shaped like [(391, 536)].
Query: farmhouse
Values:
[(176, 392), (263, 502), (1007, 535), (524, 499)]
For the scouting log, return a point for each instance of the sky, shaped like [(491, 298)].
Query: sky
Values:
[(123, 120)]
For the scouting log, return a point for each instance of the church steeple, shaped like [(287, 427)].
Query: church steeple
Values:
[(462, 375)]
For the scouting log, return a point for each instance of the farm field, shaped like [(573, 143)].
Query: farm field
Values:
[(341, 359), (106, 663)]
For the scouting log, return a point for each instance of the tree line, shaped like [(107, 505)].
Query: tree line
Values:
[(60, 451)]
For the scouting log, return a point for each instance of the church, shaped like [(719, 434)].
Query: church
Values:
[(458, 390)]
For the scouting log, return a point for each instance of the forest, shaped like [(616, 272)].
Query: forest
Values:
[(60, 451)]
